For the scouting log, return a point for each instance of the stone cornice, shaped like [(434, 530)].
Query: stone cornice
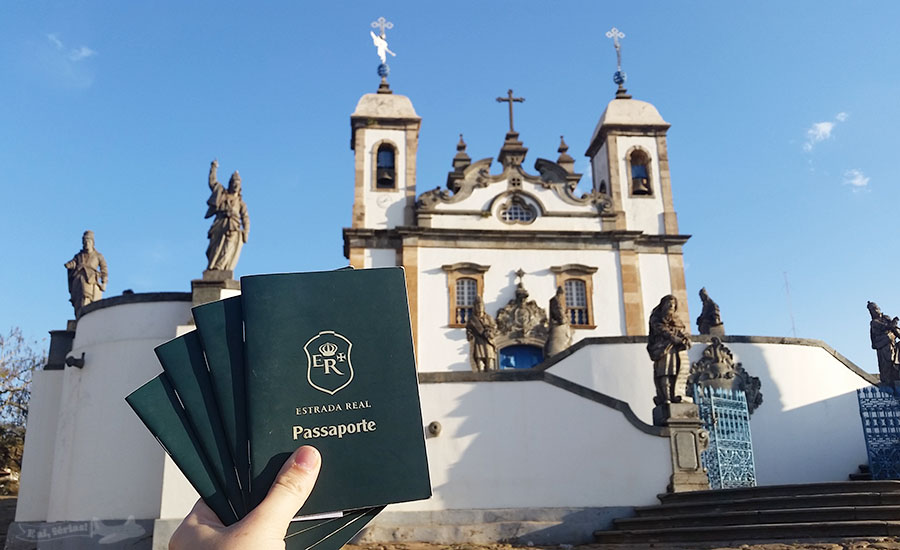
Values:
[(519, 235)]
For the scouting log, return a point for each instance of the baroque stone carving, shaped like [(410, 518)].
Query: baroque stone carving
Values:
[(231, 223), (884, 332), (522, 321), (717, 369), (560, 336), (710, 319), (481, 331), (87, 274), (667, 340)]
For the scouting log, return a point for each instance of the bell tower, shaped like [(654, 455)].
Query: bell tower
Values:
[(384, 139)]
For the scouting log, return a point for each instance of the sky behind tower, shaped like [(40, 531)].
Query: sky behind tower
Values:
[(782, 146)]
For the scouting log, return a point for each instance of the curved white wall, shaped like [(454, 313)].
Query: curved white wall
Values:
[(106, 464), (533, 445), (808, 428)]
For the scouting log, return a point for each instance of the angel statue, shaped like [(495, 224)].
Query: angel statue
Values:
[(382, 46), (231, 224)]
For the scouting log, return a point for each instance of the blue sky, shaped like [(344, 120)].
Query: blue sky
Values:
[(782, 147)]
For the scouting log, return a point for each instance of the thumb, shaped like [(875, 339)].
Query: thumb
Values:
[(292, 487)]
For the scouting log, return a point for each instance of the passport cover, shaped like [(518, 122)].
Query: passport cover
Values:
[(331, 534), (160, 410), (330, 363), (221, 328), (185, 366)]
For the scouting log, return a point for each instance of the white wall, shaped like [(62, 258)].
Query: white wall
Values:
[(384, 209), (106, 464), (655, 282), (533, 445), (807, 430), (37, 460), (380, 257), (441, 348)]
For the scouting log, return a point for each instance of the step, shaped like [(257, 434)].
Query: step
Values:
[(771, 503), (778, 531), (879, 486), (480, 533), (750, 517)]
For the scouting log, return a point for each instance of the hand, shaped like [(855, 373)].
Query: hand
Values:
[(265, 526), (244, 235)]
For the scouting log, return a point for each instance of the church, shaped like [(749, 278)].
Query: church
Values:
[(529, 304)]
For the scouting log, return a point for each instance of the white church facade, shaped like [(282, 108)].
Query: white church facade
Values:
[(536, 448)]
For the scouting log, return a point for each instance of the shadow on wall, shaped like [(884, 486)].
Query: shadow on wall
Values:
[(813, 441)]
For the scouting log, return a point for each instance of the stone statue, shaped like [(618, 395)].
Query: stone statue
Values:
[(560, 336), (710, 320), (480, 332), (666, 341), (231, 225), (87, 275), (884, 332)]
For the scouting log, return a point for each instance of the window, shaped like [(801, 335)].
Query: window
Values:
[(576, 301), (465, 281), (516, 210), (576, 281), (385, 176), (466, 290), (520, 356), (639, 172)]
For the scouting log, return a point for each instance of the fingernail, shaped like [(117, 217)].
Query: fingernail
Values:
[(307, 458)]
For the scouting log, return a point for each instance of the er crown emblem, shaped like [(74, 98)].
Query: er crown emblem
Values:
[(328, 361)]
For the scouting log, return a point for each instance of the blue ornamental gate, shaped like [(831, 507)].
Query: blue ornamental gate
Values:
[(729, 458), (879, 408)]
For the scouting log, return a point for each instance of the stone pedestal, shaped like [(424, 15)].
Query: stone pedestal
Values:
[(60, 346), (687, 439), (215, 285)]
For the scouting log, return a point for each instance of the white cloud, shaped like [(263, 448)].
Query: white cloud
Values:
[(74, 54), (856, 179), (820, 131), (55, 41), (81, 53)]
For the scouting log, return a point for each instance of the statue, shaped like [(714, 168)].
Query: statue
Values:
[(480, 332), (87, 275), (381, 46), (884, 332), (231, 226), (666, 341), (560, 336), (710, 320)]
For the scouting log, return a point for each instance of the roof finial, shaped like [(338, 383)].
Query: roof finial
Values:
[(619, 77), (461, 160), (381, 45), (565, 159)]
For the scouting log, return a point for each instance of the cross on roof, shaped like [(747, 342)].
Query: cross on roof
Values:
[(382, 24), (616, 34), (510, 99)]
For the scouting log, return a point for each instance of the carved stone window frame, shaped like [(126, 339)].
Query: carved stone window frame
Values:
[(651, 181), (462, 270), (516, 199), (583, 273), (374, 176)]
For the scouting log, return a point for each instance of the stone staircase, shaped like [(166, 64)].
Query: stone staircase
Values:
[(778, 512)]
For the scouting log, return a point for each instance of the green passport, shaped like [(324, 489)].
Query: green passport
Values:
[(330, 363), (185, 367), (160, 410), (221, 328)]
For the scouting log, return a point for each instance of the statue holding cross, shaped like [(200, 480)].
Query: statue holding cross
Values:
[(510, 99)]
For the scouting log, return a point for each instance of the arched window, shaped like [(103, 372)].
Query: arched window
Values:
[(385, 176), (516, 210), (466, 290), (576, 302), (639, 162)]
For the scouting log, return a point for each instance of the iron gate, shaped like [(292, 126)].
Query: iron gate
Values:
[(879, 408), (729, 458)]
